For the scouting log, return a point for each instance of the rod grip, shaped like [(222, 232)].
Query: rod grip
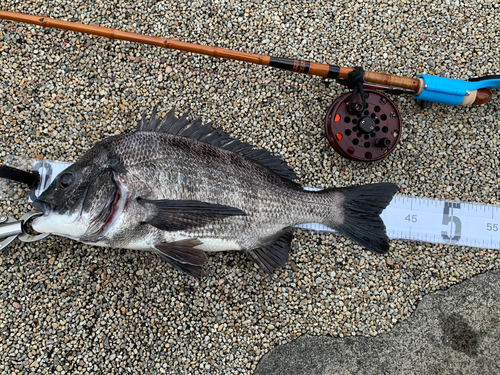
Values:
[(393, 81)]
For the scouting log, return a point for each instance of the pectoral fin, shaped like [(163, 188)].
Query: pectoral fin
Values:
[(275, 255), (173, 215), (183, 256)]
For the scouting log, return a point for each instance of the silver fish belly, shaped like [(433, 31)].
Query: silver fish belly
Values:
[(181, 188)]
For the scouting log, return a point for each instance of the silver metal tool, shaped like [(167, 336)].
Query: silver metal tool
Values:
[(10, 229)]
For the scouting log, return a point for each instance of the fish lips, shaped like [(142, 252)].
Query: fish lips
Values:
[(42, 206), (46, 206)]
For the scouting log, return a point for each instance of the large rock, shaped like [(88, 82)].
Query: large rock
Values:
[(456, 331)]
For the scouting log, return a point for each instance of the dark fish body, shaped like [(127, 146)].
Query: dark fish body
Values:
[(181, 188)]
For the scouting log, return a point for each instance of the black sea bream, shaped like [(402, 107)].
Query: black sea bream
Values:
[(180, 189)]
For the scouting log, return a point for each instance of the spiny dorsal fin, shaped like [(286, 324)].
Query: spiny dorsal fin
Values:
[(182, 127)]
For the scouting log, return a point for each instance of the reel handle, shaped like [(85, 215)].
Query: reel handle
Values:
[(482, 96)]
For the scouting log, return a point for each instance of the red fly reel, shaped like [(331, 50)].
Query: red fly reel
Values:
[(368, 136)]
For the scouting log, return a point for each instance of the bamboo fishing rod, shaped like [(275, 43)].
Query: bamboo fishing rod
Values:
[(299, 66), (417, 86)]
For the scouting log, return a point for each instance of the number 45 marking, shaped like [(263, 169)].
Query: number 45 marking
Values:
[(411, 218)]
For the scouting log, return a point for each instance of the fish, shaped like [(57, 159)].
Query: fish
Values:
[(182, 189)]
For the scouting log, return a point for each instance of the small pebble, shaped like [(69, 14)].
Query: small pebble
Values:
[(100, 310)]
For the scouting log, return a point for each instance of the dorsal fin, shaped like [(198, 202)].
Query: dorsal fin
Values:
[(182, 127)]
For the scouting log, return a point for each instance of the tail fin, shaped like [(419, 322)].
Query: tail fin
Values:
[(361, 217)]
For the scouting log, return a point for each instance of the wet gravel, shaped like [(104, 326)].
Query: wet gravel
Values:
[(66, 307)]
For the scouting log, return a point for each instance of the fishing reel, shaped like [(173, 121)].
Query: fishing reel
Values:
[(372, 130), (368, 133)]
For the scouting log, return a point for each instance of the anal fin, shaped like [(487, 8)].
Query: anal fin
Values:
[(274, 255), (183, 256)]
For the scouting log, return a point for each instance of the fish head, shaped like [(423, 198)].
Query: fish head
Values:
[(79, 203)]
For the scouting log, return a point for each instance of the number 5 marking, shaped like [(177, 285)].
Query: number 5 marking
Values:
[(447, 217)]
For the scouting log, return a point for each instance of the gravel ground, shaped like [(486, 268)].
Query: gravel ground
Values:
[(66, 307)]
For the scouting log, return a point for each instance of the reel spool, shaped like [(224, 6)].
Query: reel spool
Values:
[(371, 135)]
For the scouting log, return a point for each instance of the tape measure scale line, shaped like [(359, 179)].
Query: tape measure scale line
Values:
[(406, 218)]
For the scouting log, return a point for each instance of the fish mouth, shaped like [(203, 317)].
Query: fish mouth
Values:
[(47, 207), (40, 223), (42, 206)]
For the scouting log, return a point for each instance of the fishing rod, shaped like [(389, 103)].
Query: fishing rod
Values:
[(363, 125)]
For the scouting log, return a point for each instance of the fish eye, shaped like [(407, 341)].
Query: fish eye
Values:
[(66, 180)]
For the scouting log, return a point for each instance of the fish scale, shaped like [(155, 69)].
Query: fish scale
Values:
[(208, 185), (196, 189)]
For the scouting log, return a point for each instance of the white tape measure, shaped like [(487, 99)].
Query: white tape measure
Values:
[(456, 223), (416, 219), (437, 221)]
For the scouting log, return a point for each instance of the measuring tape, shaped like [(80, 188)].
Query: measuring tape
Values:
[(437, 221), (408, 218)]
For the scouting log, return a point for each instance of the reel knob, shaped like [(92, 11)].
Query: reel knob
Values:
[(368, 136)]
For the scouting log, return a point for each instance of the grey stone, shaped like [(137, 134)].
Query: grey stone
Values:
[(456, 331)]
